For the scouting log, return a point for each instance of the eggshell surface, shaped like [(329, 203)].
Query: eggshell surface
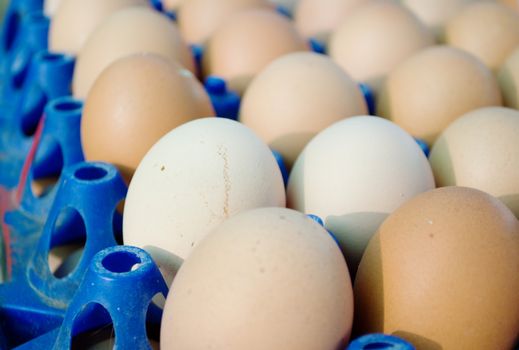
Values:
[(481, 150), (355, 173), (318, 18), (118, 36), (436, 13), (374, 38), (442, 273), (267, 278), (488, 30), (432, 88), (247, 43), (133, 103), (193, 178), (199, 19), (508, 77), (296, 96), (75, 20)]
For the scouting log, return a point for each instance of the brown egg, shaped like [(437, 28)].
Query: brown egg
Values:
[(133, 103), (128, 31), (490, 31), (172, 5), (75, 20), (375, 38), (432, 88), (247, 43), (198, 19), (481, 150), (508, 77), (267, 278), (436, 13), (513, 4), (442, 273), (318, 18), (295, 97)]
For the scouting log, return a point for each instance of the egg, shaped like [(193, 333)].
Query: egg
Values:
[(247, 43), (267, 278), (75, 20), (432, 88), (513, 4), (134, 102), (119, 36), (375, 38), (436, 13), (195, 177), (442, 273), (296, 96), (481, 150), (318, 18), (198, 19), (508, 77), (50, 7), (353, 174), (172, 5), (488, 30)]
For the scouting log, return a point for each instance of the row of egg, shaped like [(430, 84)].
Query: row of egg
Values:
[(272, 278)]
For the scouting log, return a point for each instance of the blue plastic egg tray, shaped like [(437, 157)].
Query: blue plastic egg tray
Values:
[(50, 198)]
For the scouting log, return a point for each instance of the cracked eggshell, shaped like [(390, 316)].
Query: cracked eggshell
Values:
[(195, 177), (132, 30), (353, 174), (247, 43), (442, 273), (267, 278), (481, 150), (133, 103), (75, 20), (295, 97)]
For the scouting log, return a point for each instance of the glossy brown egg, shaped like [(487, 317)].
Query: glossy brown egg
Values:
[(133, 103)]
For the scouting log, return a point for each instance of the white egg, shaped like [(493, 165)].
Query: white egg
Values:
[(354, 174), (192, 179)]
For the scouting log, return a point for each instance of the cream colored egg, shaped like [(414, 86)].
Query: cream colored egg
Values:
[(267, 278), (295, 97), (318, 18), (490, 31), (354, 174), (199, 19), (436, 13), (50, 7), (432, 88), (195, 177), (442, 273), (247, 43), (75, 20), (173, 5), (375, 38), (508, 77), (128, 31), (134, 102), (481, 150)]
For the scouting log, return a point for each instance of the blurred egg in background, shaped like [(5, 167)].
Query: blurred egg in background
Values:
[(118, 36), (295, 97)]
